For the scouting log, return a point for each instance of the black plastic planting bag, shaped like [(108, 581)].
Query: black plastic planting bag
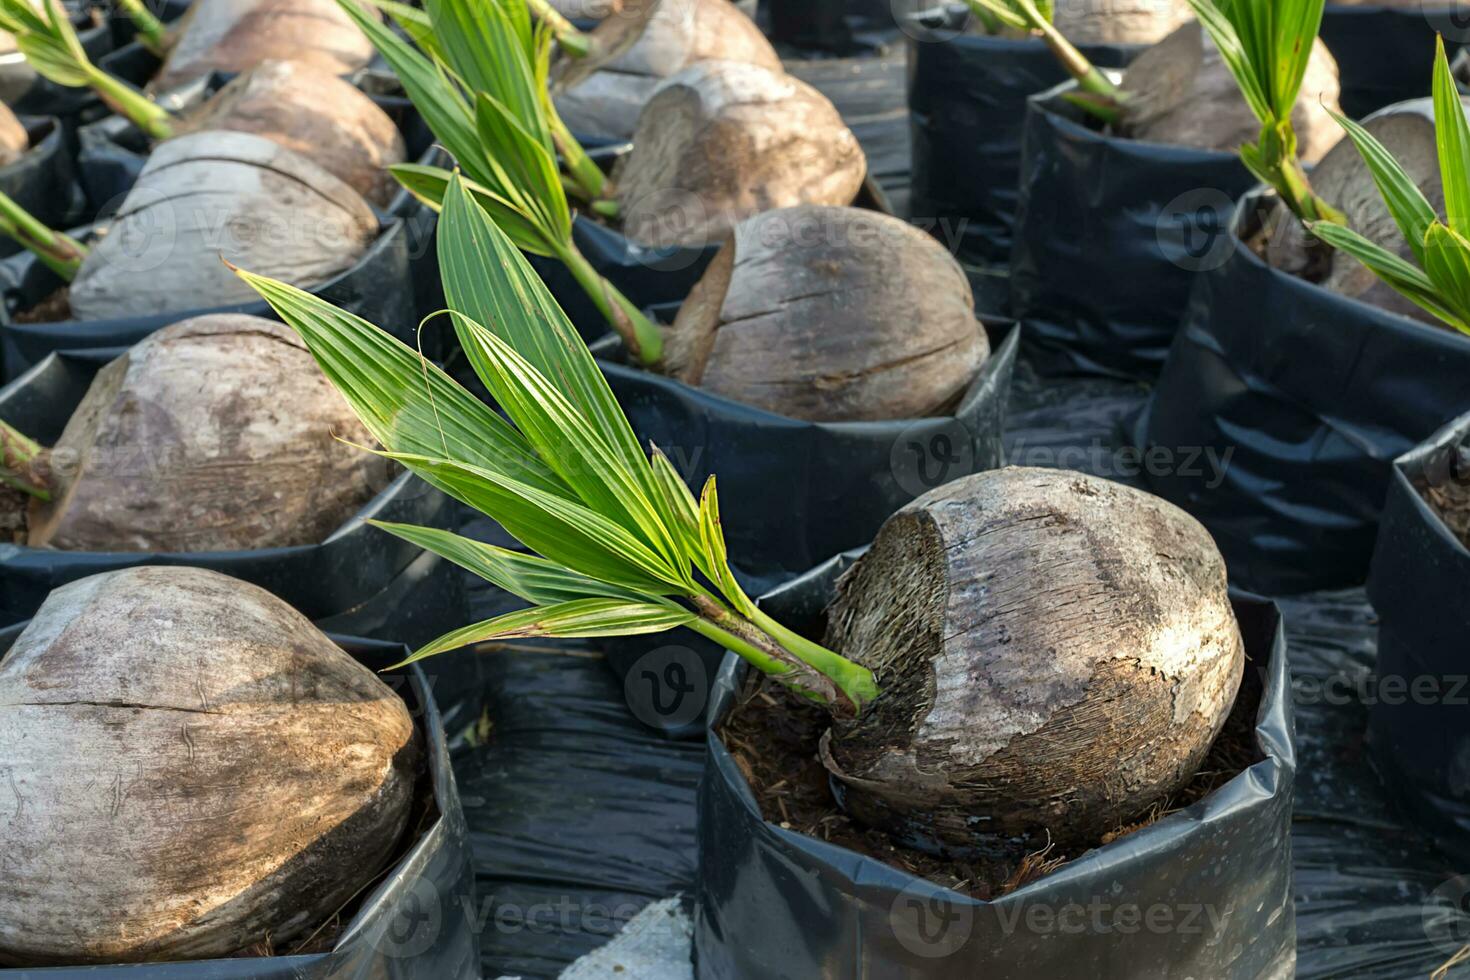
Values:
[(376, 288), (967, 100), (359, 578), (829, 25), (772, 904), (1419, 728), (1109, 235), (44, 180), (1279, 413), (1386, 54), (411, 925)]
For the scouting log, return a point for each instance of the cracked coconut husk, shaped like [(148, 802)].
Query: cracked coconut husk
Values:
[(214, 434), (604, 99), (211, 195), (830, 314), (1055, 652), (312, 112), (1181, 92), (1344, 181), (722, 141), (269, 775), (236, 35)]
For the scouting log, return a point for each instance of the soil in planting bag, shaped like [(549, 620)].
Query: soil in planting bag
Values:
[(376, 288), (967, 100), (410, 925), (1109, 235), (772, 903), (1281, 408), (28, 94), (44, 180), (359, 577), (1419, 729), (1385, 54)]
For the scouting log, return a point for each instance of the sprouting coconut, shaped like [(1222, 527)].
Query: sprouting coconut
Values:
[(216, 433), (211, 195), (830, 313), (1180, 91), (680, 33), (236, 35), (1056, 652), (1407, 131), (315, 113), (722, 141), (14, 140), (193, 769)]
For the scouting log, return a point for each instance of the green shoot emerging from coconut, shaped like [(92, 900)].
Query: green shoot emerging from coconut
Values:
[(152, 33), (61, 253), (480, 78), (1098, 94), (1438, 278), (1267, 45), (618, 543), (48, 41)]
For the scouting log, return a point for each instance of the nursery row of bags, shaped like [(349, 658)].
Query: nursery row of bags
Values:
[(825, 394)]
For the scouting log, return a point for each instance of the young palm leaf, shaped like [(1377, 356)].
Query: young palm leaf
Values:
[(483, 90), (47, 40), (619, 547), (1267, 44), (152, 33), (1440, 282), (1098, 93)]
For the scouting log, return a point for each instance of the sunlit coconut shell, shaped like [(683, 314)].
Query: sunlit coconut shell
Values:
[(216, 195), (192, 769), (315, 113), (1056, 653), (216, 433), (722, 141), (1181, 92), (237, 35), (1119, 21), (830, 314), (679, 34), (14, 140)]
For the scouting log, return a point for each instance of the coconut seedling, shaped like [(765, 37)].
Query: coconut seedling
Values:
[(695, 137), (216, 433), (260, 777), (1182, 90), (1428, 261), (301, 105), (618, 545)]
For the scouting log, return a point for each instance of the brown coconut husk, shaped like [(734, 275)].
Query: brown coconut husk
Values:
[(237, 35), (315, 113), (605, 99), (830, 314), (217, 433), (214, 195), (14, 140), (1181, 92), (1107, 21), (722, 141), (1027, 700), (1343, 180), (199, 769)]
